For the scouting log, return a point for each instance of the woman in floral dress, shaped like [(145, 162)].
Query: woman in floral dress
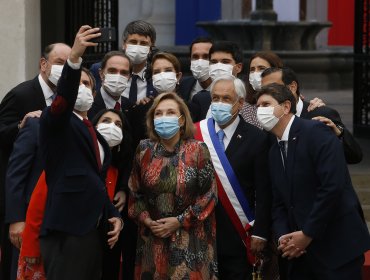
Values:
[(173, 197)]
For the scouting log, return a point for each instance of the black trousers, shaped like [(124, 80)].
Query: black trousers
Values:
[(307, 267), (72, 257), (234, 267)]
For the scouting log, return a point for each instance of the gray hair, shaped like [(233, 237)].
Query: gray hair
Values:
[(140, 27), (238, 84)]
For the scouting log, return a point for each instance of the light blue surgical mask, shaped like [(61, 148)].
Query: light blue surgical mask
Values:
[(221, 112), (166, 127)]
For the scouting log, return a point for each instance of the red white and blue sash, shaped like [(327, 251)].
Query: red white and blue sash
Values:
[(230, 192)]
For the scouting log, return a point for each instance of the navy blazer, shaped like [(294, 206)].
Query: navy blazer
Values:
[(199, 104), (76, 187), (352, 150), (24, 170), (315, 194), (247, 153)]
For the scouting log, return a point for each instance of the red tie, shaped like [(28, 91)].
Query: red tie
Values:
[(117, 107), (95, 141)]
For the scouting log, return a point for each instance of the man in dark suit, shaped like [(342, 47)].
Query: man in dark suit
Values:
[(76, 159), (316, 213), (325, 114), (245, 147), (24, 101)]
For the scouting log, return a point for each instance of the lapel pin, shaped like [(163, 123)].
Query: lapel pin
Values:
[(239, 136)]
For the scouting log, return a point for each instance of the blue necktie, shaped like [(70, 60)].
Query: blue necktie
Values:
[(283, 151), (221, 135), (132, 96)]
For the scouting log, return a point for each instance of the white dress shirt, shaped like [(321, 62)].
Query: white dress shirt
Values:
[(197, 88), (109, 101), (46, 90), (229, 130), (299, 107), (141, 85)]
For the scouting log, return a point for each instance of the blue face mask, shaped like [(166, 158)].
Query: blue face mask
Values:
[(166, 127), (221, 112)]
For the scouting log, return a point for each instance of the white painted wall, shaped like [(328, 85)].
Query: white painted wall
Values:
[(20, 42), (160, 13)]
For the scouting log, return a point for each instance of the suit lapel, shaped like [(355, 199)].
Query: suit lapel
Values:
[(239, 136), (39, 97), (292, 145), (304, 113)]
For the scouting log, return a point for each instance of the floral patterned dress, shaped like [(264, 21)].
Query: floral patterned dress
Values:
[(175, 184)]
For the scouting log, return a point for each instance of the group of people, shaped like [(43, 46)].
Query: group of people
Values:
[(132, 167)]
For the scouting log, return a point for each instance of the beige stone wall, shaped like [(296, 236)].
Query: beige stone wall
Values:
[(20, 42)]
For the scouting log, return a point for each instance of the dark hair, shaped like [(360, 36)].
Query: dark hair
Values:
[(122, 154), (140, 27), (273, 59), (110, 54), (49, 48), (170, 57), (288, 76), (227, 47), (91, 77), (200, 40), (280, 93)]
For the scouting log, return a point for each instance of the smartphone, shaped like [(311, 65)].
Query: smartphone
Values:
[(108, 34)]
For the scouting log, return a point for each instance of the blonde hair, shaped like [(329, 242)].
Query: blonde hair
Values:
[(186, 131)]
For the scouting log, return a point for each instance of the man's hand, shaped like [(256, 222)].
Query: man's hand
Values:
[(257, 245), (82, 41), (114, 233), (329, 123), (165, 227), (33, 114), (314, 103), (294, 244), (119, 200), (15, 233), (143, 101)]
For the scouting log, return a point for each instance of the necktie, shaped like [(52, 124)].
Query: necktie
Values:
[(283, 151), (132, 96), (221, 135), (95, 141), (117, 106)]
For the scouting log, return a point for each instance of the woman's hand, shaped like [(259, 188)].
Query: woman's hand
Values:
[(165, 227)]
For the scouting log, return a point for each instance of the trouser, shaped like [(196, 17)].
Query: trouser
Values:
[(72, 257)]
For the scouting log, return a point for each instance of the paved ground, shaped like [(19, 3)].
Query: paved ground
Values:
[(342, 101)]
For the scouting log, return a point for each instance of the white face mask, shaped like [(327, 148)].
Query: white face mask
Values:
[(115, 84), (200, 69), (164, 81), (55, 73), (137, 53), (111, 133), (220, 69), (255, 80), (84, 100), (266, 117)]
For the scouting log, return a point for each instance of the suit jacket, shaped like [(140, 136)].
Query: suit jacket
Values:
[(24, 169), (247, 153), (20, 100), (199, 104), (352, 150), (77, 194), (315, 194)]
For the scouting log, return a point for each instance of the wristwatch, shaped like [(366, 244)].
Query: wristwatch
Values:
[(341, 129)]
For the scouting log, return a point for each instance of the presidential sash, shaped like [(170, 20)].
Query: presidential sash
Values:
[(230, 192)]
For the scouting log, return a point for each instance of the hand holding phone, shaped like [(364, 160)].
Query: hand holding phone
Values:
[(108, 34)]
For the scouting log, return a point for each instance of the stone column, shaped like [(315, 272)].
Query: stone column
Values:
[(20, 42), (264, 11)]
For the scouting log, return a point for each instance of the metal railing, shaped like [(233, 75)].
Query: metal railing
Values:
[(361, 74)]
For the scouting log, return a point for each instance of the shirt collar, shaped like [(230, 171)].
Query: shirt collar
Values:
[(230, 129), (299, 107), (141, 74), (198, 87), (109, 101), (285, 136), (78, 116), (46, 90)]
